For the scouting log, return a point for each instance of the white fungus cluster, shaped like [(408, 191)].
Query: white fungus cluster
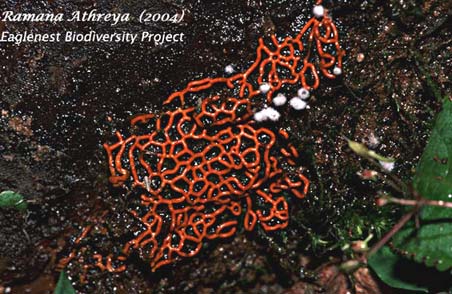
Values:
[(229, 69), (387, 166), (279, 100), (264, 88), (268, 113), (298, 102), (337, 71), (318, 11), (303, 93)]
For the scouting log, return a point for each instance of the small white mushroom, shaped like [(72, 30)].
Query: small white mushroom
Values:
[(297, 103), (272, 114), (388, 166), (303, 93), (229, 69), (337, 71), (318, 11), (260, 116), (268, 113), (264, 88), (279, 100)]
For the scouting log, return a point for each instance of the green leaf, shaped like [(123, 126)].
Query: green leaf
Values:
[(64, 285), (432, 242), (392, 270), (10, 199)]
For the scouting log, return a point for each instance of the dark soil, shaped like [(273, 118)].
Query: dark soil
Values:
[(60, 102)]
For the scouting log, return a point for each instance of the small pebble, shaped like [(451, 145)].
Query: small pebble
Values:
[(360, 57)]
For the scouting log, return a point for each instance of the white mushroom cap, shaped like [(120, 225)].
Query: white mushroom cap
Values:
[(272, 114), (229, 69), (303, 93), (388, 166), (318, 11), (268, 113), (259, 116), (279, 100), (337, 71), (297, 103), (264, 88)]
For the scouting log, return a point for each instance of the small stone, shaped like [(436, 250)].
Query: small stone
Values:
[(360, 57)]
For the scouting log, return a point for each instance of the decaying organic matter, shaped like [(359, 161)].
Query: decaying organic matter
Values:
[(205, 162)]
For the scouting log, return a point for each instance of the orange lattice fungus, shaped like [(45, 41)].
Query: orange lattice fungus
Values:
[(205, 167), (291, 61), (200, 169)]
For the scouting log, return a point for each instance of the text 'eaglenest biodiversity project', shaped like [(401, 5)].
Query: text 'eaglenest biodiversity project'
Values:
[(114, 19)]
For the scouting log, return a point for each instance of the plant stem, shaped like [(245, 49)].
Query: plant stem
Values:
[(392, 232), (407, 202), (420, 202)]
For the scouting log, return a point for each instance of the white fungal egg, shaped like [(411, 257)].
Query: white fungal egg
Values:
[(337, 71), (264, 88), (268, 113), (303, 93), (388, 166), (272, 114), (297, 103), (318, 11), (260, 116), (279, 100), (229, 69)]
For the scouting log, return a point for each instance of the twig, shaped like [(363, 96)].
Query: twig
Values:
[(413, 198), (421, 202), (392, 232), (407, 202), (390, 182)]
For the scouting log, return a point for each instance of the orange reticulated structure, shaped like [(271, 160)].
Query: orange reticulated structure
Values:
[(201, 168), (291, 61), (205, 167)]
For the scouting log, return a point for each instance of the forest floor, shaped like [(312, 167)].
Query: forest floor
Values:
[(60, 102)]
